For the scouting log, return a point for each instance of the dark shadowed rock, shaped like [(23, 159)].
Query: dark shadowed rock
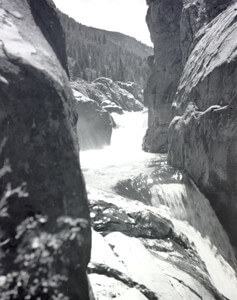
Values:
[(46, 17), (163, 19), (203, 140), (38, 123), (204, 144), (174, 27), (199, 91), (94, 125), (108, 217)]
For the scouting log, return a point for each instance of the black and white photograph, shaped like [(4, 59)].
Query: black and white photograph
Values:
[(118, 149)]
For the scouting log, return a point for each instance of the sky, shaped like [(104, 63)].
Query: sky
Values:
[(125, 16)]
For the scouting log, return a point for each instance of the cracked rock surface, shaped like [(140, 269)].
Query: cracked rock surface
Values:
[(38, 125), (191, 96), (137, 252)]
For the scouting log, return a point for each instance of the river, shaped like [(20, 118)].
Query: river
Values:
[(175, 196)]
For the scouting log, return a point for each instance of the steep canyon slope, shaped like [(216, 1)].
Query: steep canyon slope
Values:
[(94, 53), (191, 96)]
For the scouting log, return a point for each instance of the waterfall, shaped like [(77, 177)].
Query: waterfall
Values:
[(176, 198), (125, 143), (192, 214)]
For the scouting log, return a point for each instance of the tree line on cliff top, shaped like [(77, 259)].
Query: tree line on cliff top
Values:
[(94, 53)]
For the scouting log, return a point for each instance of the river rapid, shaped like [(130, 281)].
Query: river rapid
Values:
[(117, 168)]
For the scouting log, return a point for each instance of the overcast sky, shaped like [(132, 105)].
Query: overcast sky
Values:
[(126, 16)]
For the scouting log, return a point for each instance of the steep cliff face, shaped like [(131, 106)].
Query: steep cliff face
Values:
[(43, 199), (163, 19), (202, 136), (173, 26)]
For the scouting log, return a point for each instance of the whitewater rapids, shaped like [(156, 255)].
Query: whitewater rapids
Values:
[(188, 209)]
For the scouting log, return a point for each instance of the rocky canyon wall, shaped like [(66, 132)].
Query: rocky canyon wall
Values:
[(44, 216), (191, 96)]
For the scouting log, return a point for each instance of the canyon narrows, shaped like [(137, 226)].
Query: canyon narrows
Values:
[(109, 190), (155, 235), (191, 96)]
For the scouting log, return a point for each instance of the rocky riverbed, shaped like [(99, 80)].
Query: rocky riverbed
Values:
[(155, 236)]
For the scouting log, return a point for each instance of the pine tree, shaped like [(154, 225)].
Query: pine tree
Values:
[(121, 71)]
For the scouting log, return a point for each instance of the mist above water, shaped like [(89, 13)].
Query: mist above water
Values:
[(126, 142)]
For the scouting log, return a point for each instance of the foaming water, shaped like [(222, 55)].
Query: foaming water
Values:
[(125, 145), (177, 199), (124, 158), (192, 214)]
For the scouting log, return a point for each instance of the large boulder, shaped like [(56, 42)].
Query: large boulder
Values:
[(142, 254), (45, 232), (104, 89), (94, 125), (108, 93)]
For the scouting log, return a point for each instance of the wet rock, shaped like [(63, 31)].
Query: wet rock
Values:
[(107, 217), (211, 163), (38, 125), (136, 189), (94, 125), (168, 265), (121, 277), (105, 287), (153, 267), (133, 294), (105, 268), (148, 273)]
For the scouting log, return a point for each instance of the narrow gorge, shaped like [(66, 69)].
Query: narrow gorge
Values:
[(118, 163), (191, 96)]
